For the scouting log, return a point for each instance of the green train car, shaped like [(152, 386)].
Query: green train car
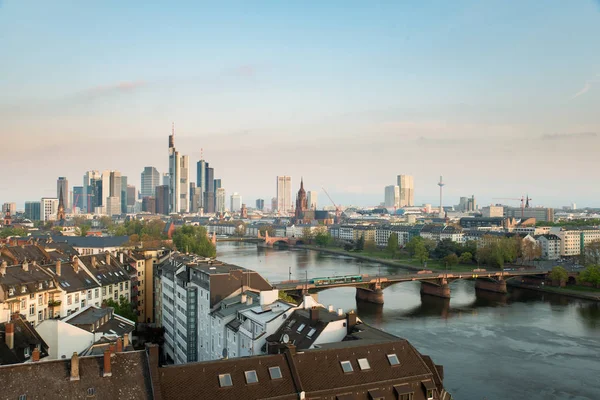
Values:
[(336, 279)]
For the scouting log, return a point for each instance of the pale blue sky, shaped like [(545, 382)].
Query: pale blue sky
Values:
[(501, 97)]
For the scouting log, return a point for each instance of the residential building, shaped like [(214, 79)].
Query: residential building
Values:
[(94, 244), (236, 202), (162, 200), (220, 201), (550, 246), (284, 194), (9, 208), (392, 196), (20, 343), (406, 186), (150, 180), (574, 240), (260, 204), (48, 209), (312, 199), (33, 210)]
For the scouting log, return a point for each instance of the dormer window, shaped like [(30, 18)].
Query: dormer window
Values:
[(41, 285), (301, 327), (225, 380), (275, 372), (23, 289), (11, 292)]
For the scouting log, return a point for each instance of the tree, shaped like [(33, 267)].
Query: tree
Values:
[(360, 244), (348, 246), (590, 275), (444, 248), (465, 258), (450, 260), (7, 232), (266, 228), (240, 230), (106, 222), (84, 229), (193, 239), (392, 244), (559, 274), (531, 250), (124, 308), (307, 234), (412, 245), (421, 253), (322, 238), (591, 253), (370, 246)]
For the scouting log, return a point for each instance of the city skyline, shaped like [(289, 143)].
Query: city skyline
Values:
[(475, 94)]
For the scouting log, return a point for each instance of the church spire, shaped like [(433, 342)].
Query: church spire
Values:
[(60, 215)]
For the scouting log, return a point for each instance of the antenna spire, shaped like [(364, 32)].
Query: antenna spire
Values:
[(173, 128), (201, 153)]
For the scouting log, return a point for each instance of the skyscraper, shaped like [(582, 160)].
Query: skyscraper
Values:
[(184, 183), (63, 183), (201, 178), (48, 209), (150, 180), (162, 199), (407, 190), (312, 199), (78, 199), (220, 200), (89, 191), (209, 191), (236, 202), (217, 184), (131, 195), (284, 193), (106, 189), (124, 199), (273, 204), (32, 210), (166, 179), (174, 174), (116, 184), (9, 208), (260, 204), (113, 206), (392, 196)]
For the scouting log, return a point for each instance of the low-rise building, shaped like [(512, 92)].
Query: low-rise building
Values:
[(20, 343), (550, 246)]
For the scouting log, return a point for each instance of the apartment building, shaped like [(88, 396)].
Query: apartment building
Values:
[(550, 245)]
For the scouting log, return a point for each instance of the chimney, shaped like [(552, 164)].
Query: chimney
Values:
[(58, 267), (119, 345), (112, 347), (107, 258), (76, 264), (351, 321), (3, 268), (340, 312), (125, 341), (10, 335), (314, 315), (94, 263), (330, 308), (249, 300), (74, 367), (121, 257), (34, 263), (244, 298), (25, 266), (107, 366), (35, 356)]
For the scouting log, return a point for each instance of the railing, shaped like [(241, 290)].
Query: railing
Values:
[(54, 303)]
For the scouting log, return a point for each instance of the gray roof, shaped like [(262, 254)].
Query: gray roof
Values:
[(93, 241)]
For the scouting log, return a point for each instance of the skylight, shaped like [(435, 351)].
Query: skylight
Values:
[(251, 377), (311, 332), (346, 366), (225, 380), (393, 359), (301, 327), (275, 373), (363, 363)]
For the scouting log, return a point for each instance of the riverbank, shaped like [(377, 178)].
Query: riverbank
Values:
[(578, 294)]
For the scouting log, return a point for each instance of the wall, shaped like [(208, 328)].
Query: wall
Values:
[(333, 333), (63, 338)]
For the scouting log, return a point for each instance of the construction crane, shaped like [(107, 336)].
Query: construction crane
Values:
[(338, 210), (524, 202)]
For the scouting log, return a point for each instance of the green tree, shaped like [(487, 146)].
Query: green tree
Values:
[(421, 253), (559, 274), (450, 260), (413, 244), (240, 230), (193, 239), (370, 246), (106, 222), (591, 253), (590, 275), (360, 244), (307, 234), (466, 258), (531, 250), (124, 308), (444, 248), (8, 232), (322, 238), (84, 229), (267, 228), (392, 244)]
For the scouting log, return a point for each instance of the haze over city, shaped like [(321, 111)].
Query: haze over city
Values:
[(501, 98)]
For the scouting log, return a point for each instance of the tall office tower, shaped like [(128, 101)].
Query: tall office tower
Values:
[(407, 190), (166, 179), (471, 204), (311, 197), (149, 205), (392, 196), (131, 195), (48, 209), (89, 181), (124, 198), (284, 194), (78, 198), (174, 174), (201, 167), (116, 183), (236, 202), (273, 204), (113, 206), (106, 190), (220, 200), (33, 210), (195, 198), (10, 208), (184, 183), (162, 199), (217, 184), (150, 180), (63, 183), (209, 191), (260, 204)]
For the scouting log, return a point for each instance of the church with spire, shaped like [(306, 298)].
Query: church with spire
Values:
[(60, 214), (301, 204)]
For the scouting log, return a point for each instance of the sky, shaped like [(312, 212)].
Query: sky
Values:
[(500, 97)]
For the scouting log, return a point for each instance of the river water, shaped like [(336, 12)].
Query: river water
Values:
[(523, 345)]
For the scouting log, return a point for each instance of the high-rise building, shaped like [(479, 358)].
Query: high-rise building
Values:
[(48, 209), (162, 199), (220, 200), (149, 205), (217, 184), (106, 189), (311, 196), (113, 206), (10, 208), (209, 191), (116, 184), (407, 190), (273, 204), (124, 192), (78, 199), (284, 194), (33, 210), (392, 196), (260, 204), (195, 198), (89, 191), (150, 180), (166, 179), (131, 195), (236, 202), (184, 183), (174, 175), (201, 178), (63, 183)]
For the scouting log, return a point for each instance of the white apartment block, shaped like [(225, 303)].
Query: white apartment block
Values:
[(550, 246), (574, 240), (48, 208)]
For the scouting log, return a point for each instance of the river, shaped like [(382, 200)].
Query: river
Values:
[(523, 345)]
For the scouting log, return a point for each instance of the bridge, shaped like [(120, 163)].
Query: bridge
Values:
[(270, 241), (370, 288)]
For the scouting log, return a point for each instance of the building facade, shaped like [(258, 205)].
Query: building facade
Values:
[(406, 186), (150, 180), (284, 194), (236, 202), (48, 209), (392, 196)]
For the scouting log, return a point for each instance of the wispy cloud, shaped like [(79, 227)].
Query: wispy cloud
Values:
[(112, 89), (561, 136), (587, 86)]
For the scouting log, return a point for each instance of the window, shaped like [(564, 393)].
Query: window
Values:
[(346, 366), (26, 352), (110, 289), (24, 289), (311, 332), (251, 377), (69, 300), (76, 297), (393, 359), (127, 285), (23, 397), (40, 316), (275, 373), (429, 394), (121, 286), (104, 291), (301, 327), (91, 392), (363, 363), (40, 300), (11, 292), (96, 293), (406, 396), (225, 380), (82, 303), (32, 309)]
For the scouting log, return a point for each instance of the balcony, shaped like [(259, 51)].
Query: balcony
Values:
[(54, 303)]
